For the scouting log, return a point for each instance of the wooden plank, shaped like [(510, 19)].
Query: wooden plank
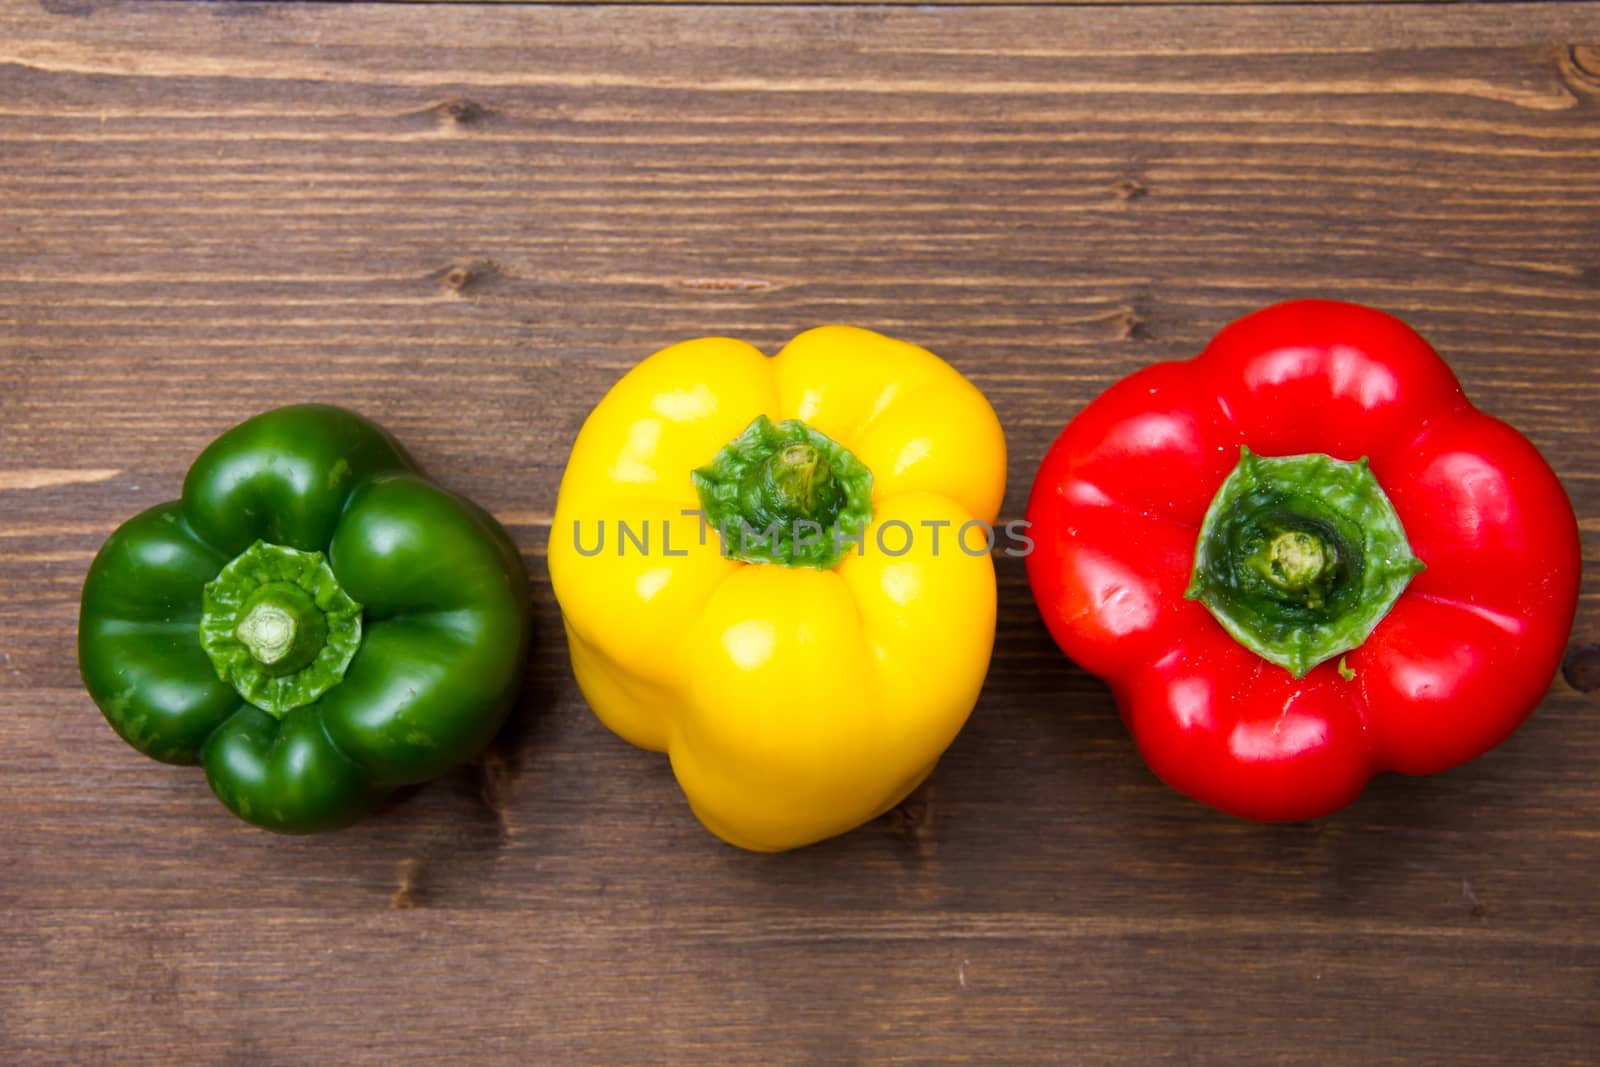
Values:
[(88, 5), (358, 43), (632, 986), (469, 222)]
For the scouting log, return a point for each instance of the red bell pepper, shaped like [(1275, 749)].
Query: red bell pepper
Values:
[(1276, 630)]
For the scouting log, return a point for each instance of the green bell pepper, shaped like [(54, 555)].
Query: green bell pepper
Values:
[(314, 622)]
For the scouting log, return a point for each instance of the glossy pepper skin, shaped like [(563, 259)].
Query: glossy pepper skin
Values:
[(433, 656), (1451, 669), (797, 698)]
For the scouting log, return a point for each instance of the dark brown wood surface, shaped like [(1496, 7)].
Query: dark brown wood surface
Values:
[(468, 221)]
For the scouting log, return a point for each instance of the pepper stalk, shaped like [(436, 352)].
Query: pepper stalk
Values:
[(1300, 557), (278, 627), (786, 494)]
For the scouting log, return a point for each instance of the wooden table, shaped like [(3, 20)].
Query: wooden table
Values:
[(468, 221)]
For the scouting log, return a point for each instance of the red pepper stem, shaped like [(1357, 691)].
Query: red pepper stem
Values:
[(1299, 559)]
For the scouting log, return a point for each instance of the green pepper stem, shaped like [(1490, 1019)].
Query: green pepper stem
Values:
[(268, 631), (278, 627), (282, 628)]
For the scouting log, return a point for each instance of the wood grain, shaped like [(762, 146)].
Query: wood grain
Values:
[(467, 222)]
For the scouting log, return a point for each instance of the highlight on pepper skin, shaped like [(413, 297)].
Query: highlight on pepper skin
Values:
[(1303, 557), (800, 682)]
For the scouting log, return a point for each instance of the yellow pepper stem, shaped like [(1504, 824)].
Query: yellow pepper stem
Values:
[(785, 493)]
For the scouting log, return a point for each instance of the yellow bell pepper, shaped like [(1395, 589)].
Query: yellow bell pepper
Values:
[(775, 570)]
